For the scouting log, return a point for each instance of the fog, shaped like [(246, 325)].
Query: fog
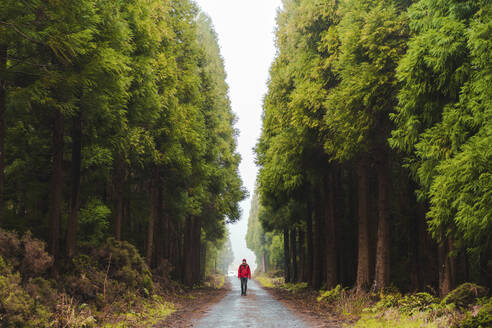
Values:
[(245, 31)]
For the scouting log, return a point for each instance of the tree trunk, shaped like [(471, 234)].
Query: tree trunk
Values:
[(56, 185), (286, 256), (382, 272), (188, 252), (162, 236), (118, 183), (317, 264), (330, 233), (154, 203), (363, 279), (75, 199), (293, 254), (263, 262), (203, 263), (486, 267), (446, 267), (309, 254), (3, 108), (302, 256), (197, 231), (166, 233)]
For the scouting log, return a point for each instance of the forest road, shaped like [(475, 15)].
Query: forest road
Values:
[(257, 309)]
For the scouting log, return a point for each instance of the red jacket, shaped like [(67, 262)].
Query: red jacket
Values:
[(244, 271)]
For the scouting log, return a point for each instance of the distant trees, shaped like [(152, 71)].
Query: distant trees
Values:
[(116, 114), (372, 125), (267, 246)]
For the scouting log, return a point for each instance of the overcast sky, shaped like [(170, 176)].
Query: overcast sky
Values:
[(246, 38)]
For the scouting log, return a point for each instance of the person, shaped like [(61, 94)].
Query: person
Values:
[(244, 273)]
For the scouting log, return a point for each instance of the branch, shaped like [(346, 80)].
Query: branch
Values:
[(22, 33)]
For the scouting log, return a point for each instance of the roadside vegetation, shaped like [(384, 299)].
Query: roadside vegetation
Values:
[(467, 306), (105, 286), (374, 187), (118, 162)]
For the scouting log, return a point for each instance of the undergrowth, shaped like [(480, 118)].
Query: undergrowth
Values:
[(105, 286), (269, 280), (467, 307)]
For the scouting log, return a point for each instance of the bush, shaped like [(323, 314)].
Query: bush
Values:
[(387, 301), (126, 266), (17, 307), (27, 255), (93, 222), (109, 271), (417, 302), (465, 294), (35, 260), (86, 280), (294, 287), (481, 318), (71, 314), (331, 295), (41, 290), (10, 247)]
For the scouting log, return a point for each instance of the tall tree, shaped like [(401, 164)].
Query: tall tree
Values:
[(443, 121)]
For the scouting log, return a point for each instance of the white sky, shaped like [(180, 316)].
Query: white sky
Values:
[(246, 37)]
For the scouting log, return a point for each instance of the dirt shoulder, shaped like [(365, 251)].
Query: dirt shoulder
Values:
[(192, 305), (304, 304)]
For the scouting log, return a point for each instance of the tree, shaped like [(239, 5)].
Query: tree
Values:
[(442, 122)]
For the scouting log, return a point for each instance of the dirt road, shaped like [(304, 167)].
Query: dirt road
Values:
[(257, 309)]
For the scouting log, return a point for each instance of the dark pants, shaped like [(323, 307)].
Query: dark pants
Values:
[(244, 285)]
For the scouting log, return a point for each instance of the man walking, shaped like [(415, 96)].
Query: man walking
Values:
[(244, 273)]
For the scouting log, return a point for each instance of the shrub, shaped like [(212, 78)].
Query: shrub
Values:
[(93, 222), (27, 255), (480, 318), (35, 260), (331, 295), (294, 287), (10, 247), (41, 290), (17, 307), (386, 301), (127, 265), (465, 294), (86, 280), (71, 314), (109, 271), (417, 302)]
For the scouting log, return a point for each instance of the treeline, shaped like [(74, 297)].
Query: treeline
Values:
[(115, 120), (267, 245), (376, 149)]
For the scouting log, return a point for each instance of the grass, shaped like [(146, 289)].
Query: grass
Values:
[(215, 281), (294, 288), (148, 314), (391, 320), (269, 282)]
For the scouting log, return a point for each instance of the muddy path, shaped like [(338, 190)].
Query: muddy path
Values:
[(257, 309)]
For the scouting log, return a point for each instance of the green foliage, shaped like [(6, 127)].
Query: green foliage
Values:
[(17, 307), (418, 302), (409, 304), (388, 85), (125, 265), (294, 288), (481, 318), (465, 295), (387, 301), (443, 117), (393, 321), (27, 254), (94, 222), (330, 296)]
